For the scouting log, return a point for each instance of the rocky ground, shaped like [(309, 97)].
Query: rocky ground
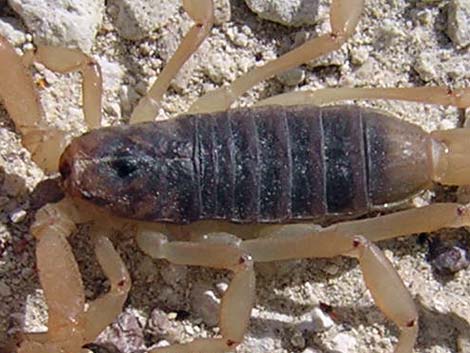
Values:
[(301, 306)]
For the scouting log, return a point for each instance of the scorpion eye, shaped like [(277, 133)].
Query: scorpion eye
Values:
[(65, 168), (123, 167)]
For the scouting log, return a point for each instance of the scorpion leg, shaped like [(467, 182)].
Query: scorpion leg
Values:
[(202, 13), (64, 60), (344, 16), (21, 100), (417, 220), (104, 310), (459, 98), (293, 242), (238, 299), (60, 280), (385, 285), (69, 325), (17, 89)]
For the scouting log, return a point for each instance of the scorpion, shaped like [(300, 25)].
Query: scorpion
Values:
[(274, 169)]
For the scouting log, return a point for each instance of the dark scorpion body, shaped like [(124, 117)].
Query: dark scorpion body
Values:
[(261, 165)]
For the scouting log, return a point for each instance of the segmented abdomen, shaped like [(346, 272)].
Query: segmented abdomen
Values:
[(277, 164), (267, 164), (261, 165), (257, 165)]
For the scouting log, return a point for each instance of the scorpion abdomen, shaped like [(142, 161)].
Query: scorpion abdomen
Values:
[(253, 165)]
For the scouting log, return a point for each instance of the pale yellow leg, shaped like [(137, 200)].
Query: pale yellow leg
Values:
[(103, 311), (18, 94), (417, 220), (296, 241), (69, 325), (17, 90), (425, 219), (238, 299), (430, 95), (64, 60), (389, 293), (20, 98), (386, 287), (202, 13), (344, 16), (60, 280)]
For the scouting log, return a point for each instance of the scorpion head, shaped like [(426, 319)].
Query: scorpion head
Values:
[(107, 168), (138, 171)]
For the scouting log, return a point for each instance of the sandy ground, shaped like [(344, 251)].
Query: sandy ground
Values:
[(398, 43)]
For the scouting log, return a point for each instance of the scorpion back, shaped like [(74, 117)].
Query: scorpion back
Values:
[(264, 165)]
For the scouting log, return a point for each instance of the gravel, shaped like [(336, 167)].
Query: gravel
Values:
[(73, 24), (289, 13), (459, 20), (398, 43)]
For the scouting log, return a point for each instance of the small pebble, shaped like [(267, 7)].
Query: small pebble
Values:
[(221, 288), (458, 25), (189, 330), (73, 23), (343, 343), (331, 269), (289, 13), (219, 67), (222, 11), (297, 340), (159, 322), (18, 216), (292, 77), (162, 343), (450, 260), (26, 272), (5, 290), (321, 321), (205, 304), (161, 325), (359, 56), (136, 19), (425, 66), (113, 109), (174, 274), (310, 350)]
